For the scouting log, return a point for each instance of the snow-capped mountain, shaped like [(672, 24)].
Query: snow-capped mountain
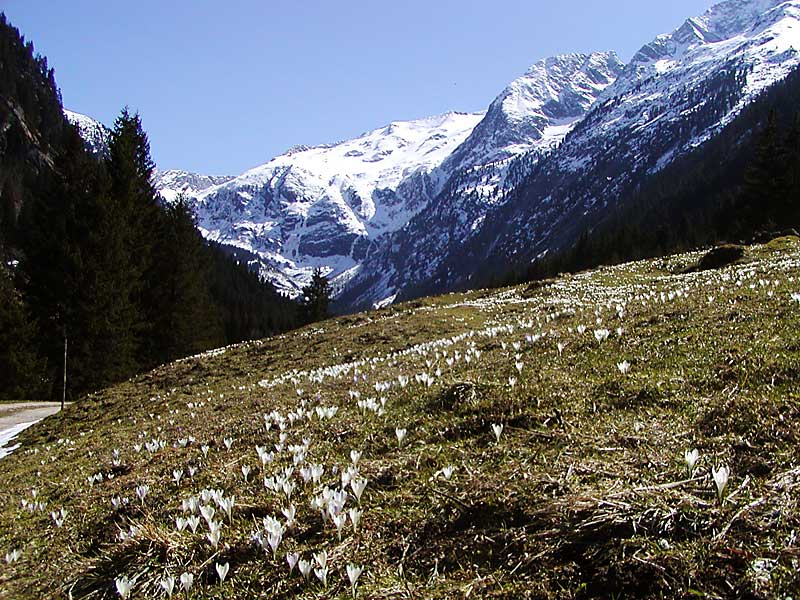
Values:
[(526, 121), (329, 206), (172, 183), (539, 108), (417, 207), (677, 92), (319, 207), (95, 134)]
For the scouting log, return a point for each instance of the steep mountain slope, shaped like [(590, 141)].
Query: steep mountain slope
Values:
[(526, 121), (678, 91), (31, 130), (538, 108)]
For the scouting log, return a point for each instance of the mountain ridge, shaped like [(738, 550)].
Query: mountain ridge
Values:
[(600, 124), (362, 208)]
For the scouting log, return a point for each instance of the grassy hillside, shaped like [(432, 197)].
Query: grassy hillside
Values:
[(584, 493)]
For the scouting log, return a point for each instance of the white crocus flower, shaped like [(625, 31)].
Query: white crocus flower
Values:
[(208, 512), (187, 579), (321, 558), (339, 521), (168, 585), (193, 522), (691, 457), (142, 491), (401, 435), (292, 559), (274, 540), (181, 523), (13, 556), (355, 517), (353, 573), (601, 335), (213, 536), (322, 575), (222, 571), (497, 429), (124, 586), (721, 475), (304, 566), (624, 367), (358, 486)]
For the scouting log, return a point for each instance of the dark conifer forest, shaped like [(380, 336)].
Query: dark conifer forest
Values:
[(94, 259)]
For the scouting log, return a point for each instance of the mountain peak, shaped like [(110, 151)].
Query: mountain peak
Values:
[(95, 134), (553, 93), (560, 86), (720, 23)]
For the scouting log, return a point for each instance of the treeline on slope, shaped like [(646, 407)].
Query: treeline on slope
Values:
[(742, 184), (91, 254)]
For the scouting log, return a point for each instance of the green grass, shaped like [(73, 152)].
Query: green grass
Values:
[(584, 496)]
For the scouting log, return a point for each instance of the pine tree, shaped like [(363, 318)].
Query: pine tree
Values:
[(763, 191), (133, 214), (186, 321), (21, 370), (316, 298)]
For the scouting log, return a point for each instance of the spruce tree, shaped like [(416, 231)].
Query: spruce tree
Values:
[(185, 321), (21, 370), (133, 214), (316, 298)]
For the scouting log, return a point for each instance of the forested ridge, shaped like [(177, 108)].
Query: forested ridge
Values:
[(94, 259), (741, 185)]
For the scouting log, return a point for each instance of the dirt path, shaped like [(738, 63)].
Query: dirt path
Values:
[(16, 416)]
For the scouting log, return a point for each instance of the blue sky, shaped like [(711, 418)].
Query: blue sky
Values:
[(225, 86)]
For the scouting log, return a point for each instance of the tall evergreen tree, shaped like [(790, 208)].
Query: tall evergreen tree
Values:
[(21, 370), (134, 207), (184, 317), (316, 298), (54, 225)]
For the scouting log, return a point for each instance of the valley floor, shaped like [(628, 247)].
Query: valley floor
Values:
[(519, 443)]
